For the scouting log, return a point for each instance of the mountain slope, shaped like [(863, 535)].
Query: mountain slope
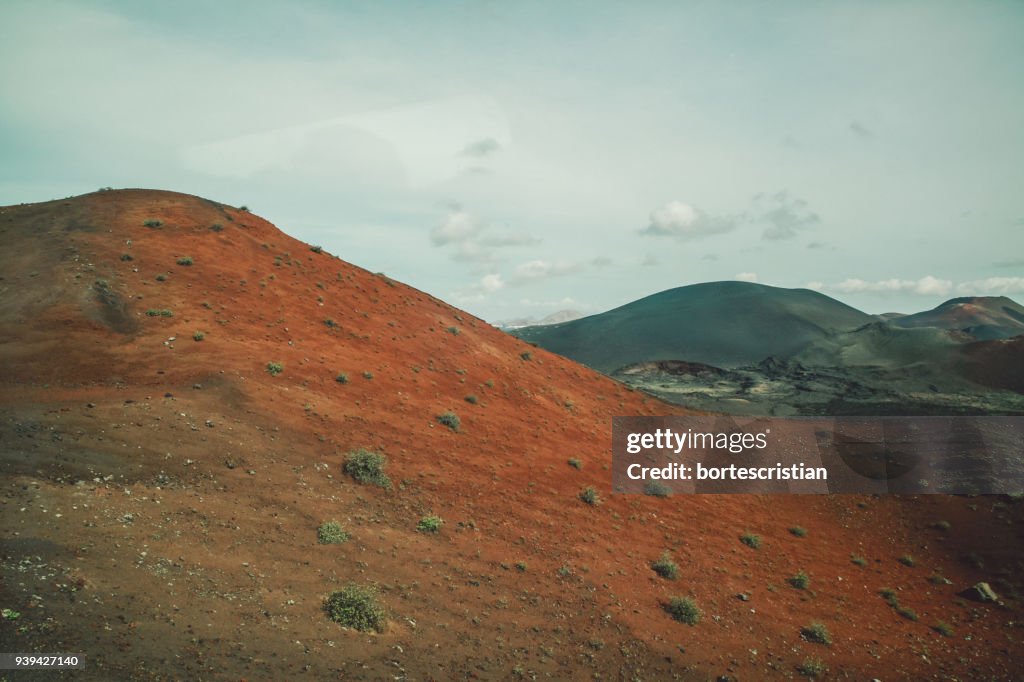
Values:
[(986, 318), (725, 324), (162, 487)]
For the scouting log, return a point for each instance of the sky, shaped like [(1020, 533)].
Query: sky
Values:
[(515, 159)]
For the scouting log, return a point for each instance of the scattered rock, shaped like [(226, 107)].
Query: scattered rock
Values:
[(982, 592)]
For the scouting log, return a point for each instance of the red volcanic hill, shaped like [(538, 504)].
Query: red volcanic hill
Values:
[(984, 317), (162, 488)]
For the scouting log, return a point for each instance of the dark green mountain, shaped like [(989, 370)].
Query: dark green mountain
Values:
[(725, 324)]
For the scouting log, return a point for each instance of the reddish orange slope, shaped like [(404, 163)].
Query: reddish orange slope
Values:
[(161, 494)]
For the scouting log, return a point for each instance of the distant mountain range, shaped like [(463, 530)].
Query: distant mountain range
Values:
[(767, 347), (556, 317)]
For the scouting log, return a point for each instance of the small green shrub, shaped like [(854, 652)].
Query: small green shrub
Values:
[(216, 227), (275, 368), (816, 633), (430, 524), (331, 533), (889, 595), (684, 610), (454, 331), (751, 540), (161, 277), (907, 560), (800, 581), (938, 579), (798, 531), (127, 257), (152, 223), (316, 249), (943, 628), (185, 260), (342, 378), (665, 567), (243, 209), (330, 323), (657, 489), (356, 607), (575, 463), (941, 525), (471, 399), (907, 613), (489, 383), (153, 312), (812, 667), (526, 355), (521, 566), (590, 496), (367, 467), (858, 560), (198, 336), (450, 419), (367, 375)]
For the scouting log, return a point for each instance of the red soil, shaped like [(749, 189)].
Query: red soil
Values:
[(162, 547)]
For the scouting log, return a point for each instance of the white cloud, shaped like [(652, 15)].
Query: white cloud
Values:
[(992, 285), (457, 226), (927, 285), (559, 303), (746, 277), (537, 270), (679, 219), (491, 283)]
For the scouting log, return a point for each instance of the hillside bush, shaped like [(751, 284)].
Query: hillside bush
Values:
[(450, 419), (367, 467), (684, 610), (331, 533), (356, 607)]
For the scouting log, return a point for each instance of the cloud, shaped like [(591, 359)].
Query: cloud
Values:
[(601, 262), (784, 214), (456, 227), (993, 285), (479, 290), (745, 277), (1011, 263), (538, 270), (508, 238), (816, 245), (473, 240), (815, 286), (860, 130), (481, 148), (473, 252), (927, 285), (679, 219), (559, 303), (492, 283), (649, 261)]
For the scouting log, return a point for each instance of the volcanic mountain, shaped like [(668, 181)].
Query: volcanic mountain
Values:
[(183, 385), (724, 324), (985, 318)]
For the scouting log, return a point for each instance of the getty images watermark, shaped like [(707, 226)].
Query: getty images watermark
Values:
[(909, 455)]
